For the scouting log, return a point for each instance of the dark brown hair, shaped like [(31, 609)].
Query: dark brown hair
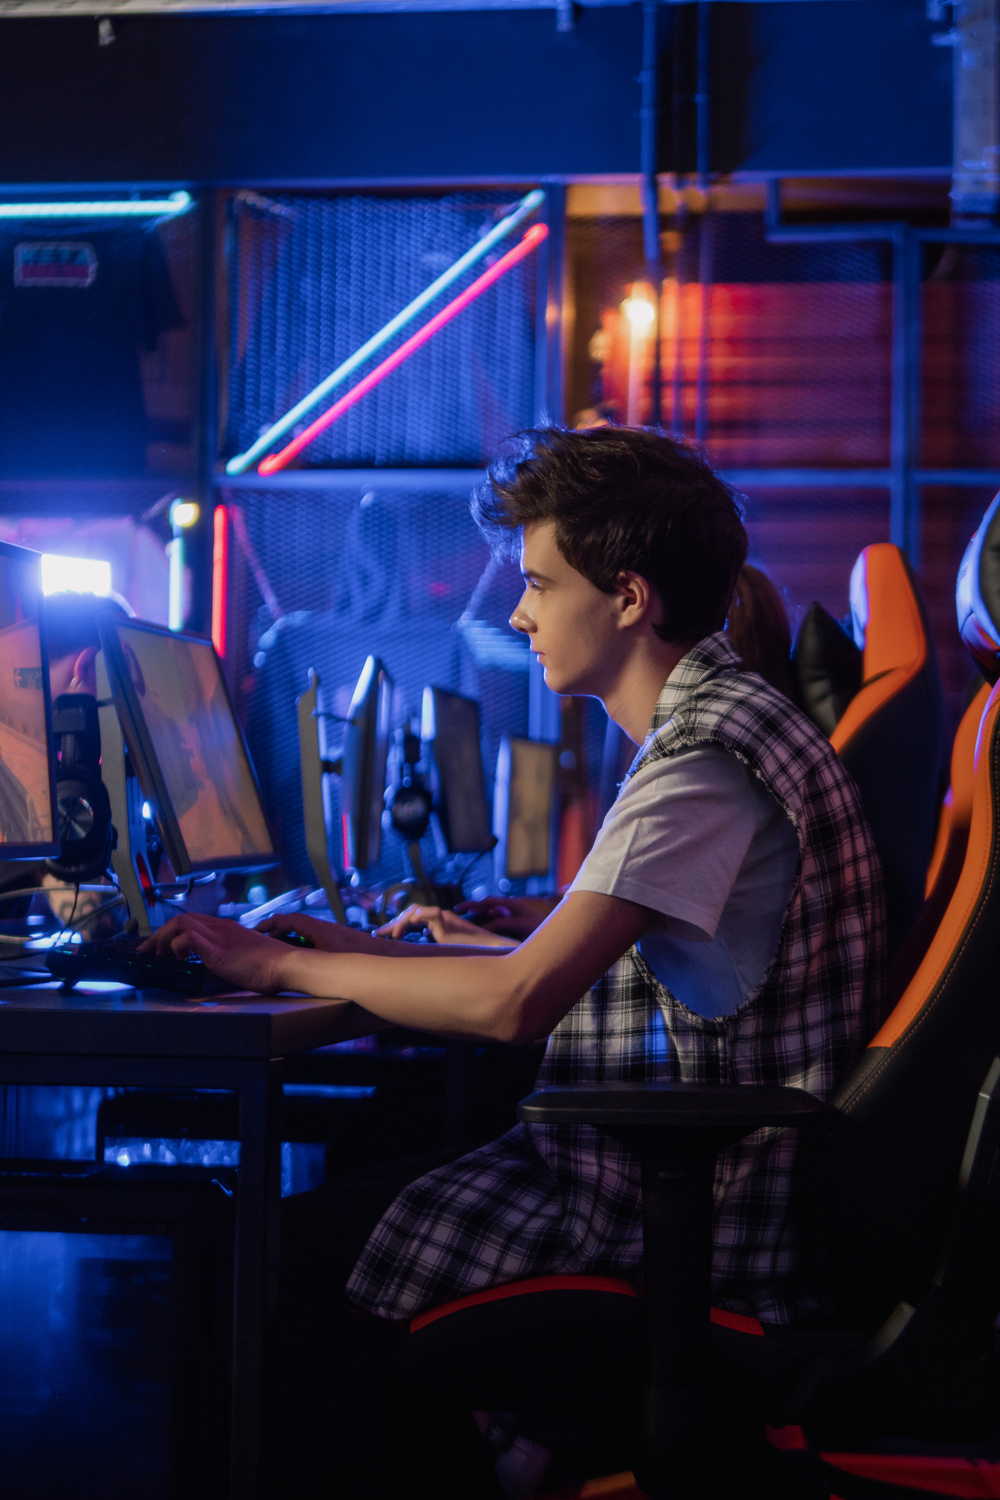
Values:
[(623, 499), (759, 630)]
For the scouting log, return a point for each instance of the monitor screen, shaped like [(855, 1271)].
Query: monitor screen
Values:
[(27, 751), (450, 732), (523, 807), (185, 739)]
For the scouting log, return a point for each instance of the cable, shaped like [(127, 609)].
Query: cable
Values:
[(89, 916), (50, 890)]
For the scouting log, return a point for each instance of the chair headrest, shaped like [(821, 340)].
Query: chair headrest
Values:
[(977, 594), (826, 668), (892, 635)]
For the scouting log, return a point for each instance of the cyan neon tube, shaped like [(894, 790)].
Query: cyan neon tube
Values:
[(101, 208), (482, 247), (534, 237)]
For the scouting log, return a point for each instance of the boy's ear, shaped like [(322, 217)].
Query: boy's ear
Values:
[(637, 597)]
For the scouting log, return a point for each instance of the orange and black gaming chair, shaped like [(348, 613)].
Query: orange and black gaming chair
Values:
[(900, 1395), (879, 700), (977, 598)]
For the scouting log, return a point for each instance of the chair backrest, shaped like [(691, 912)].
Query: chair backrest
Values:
[(885, 1172), (950, 844), (977, 594), (891, 735), (977, 598)]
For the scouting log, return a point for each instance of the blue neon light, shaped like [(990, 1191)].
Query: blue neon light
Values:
[(101, 208), (527, 205)]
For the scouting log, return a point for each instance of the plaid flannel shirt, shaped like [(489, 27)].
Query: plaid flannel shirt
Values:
[(546, 1199)]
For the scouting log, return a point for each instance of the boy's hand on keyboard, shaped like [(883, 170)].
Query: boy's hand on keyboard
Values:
[(245, 959)]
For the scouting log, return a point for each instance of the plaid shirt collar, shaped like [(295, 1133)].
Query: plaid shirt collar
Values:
[(710, 656)]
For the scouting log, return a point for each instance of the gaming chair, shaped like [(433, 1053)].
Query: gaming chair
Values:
[(900, 1394), (978, 606), (881, 705)]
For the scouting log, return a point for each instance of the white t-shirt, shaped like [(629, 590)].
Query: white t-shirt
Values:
[(697, 837)]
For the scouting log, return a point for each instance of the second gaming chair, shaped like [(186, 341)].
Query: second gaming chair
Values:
[(977, 598), (888, 729)]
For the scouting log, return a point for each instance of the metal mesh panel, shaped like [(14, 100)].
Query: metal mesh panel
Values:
[(960, 419), (387, 571), (314, 277), (808, 541), (771, 354)]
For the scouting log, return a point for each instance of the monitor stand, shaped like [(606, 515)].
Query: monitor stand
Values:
[(129, 858), (314, 766)]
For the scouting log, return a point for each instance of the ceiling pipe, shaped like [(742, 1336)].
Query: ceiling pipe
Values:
[(975, 192)]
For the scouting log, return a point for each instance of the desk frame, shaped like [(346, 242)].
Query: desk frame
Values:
[(273, 1028)]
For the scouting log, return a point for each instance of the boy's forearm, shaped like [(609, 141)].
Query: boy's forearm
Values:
[(457, 994), (464, 1000)]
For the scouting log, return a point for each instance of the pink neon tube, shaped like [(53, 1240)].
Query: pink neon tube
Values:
[(275, 461)]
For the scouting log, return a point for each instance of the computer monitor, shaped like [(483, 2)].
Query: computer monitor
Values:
[(452, 744), (523, 803), (363, 766), (187, 747), (28, 827)]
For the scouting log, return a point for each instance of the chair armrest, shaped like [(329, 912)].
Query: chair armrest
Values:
[(736, 1108)]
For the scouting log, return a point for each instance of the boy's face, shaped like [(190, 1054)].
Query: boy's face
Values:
[(572, 625)]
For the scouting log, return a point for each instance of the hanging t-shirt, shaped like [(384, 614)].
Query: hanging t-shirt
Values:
[(78, 303)]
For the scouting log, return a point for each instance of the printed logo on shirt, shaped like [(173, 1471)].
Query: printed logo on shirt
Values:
[(54, 263)]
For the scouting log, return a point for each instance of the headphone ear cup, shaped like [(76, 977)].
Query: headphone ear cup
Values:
[(83, 812), (410, 810)]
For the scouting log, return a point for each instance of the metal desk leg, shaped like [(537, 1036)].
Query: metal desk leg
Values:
[(258, 1203)]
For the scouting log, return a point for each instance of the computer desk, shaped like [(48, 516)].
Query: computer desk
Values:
[(152, 1039)]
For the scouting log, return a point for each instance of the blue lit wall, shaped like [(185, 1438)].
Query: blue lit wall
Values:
[(803, 86)]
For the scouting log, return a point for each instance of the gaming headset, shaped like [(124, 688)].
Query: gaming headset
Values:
[(83, 809)]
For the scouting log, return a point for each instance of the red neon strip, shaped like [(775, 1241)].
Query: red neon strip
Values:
[(220, 578), (275, 461)]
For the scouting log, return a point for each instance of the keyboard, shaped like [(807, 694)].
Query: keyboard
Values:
[(118, 959)]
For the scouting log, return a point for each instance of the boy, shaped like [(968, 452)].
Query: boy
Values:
[(727, 925)]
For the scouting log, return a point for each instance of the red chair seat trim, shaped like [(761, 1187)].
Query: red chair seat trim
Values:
[(735, 1321), (965, 1478)]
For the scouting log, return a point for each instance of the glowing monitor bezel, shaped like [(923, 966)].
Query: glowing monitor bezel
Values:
[(48, 849), (146, 762)]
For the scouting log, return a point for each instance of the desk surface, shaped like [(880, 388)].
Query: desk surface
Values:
[(150, 1023)]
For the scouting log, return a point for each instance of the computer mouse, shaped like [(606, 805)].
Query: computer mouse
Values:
[(294, 939)]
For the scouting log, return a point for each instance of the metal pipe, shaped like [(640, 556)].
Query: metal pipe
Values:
[(703, 96), (649, 116), (975, 191), (706, 258)]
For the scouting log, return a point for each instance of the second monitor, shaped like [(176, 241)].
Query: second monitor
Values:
[(187, 747)]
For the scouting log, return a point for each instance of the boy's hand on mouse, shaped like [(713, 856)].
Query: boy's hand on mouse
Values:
[(329, 937), (443, 925), (513, 916)]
